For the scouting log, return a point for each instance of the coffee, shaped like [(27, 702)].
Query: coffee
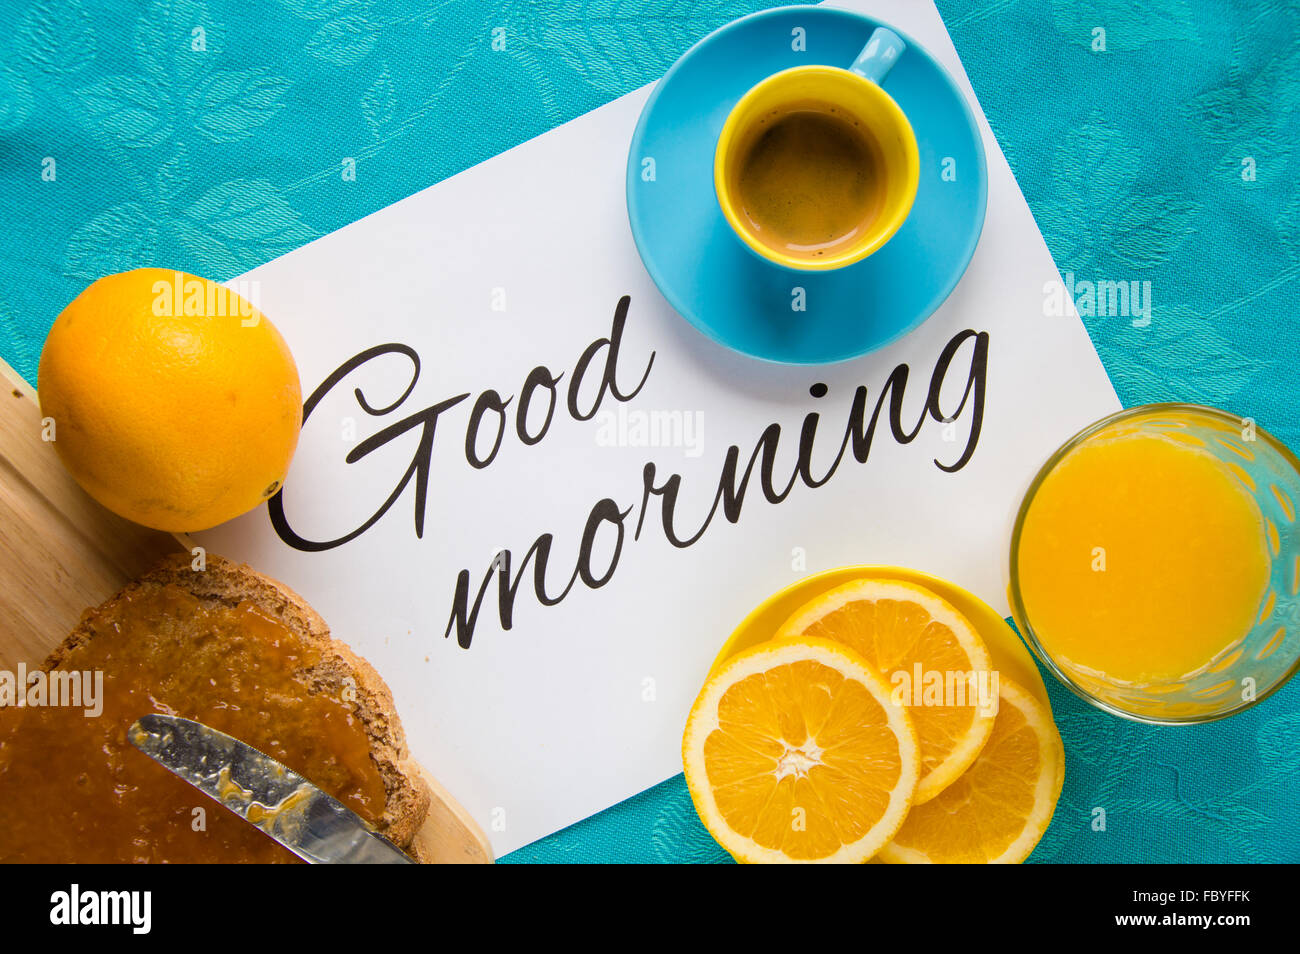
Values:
[(811, 181)]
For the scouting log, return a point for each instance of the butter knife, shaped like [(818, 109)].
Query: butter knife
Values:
[(313, 825)]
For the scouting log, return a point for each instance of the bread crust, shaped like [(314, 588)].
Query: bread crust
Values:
[(228, 583)]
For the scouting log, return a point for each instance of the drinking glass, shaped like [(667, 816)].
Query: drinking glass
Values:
[(1260, 662)]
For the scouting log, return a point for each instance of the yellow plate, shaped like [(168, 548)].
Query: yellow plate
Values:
[(1008, 653)]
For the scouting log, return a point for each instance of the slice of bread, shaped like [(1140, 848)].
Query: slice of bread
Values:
[(339, 668)]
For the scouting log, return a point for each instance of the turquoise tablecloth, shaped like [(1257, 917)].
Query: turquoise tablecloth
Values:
[(1167, 156)]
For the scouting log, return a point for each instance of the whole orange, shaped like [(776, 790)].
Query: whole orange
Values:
[(174, 402)]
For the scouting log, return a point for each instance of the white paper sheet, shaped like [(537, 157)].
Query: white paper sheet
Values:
[(520, 262)]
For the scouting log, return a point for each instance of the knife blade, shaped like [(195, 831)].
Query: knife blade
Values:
[(312, 824)]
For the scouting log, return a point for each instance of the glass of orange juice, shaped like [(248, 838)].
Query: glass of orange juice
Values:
[(1155, 564)]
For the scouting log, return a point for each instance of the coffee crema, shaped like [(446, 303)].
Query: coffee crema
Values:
[(811, 181)]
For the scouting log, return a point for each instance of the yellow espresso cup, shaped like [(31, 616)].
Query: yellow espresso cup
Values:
[(817, 167)]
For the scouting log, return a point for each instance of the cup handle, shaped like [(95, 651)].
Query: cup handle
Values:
[(879, 55)]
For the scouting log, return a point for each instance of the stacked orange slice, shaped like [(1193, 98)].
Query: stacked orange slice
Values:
[(813, 746), (794, 752), (907, 633)]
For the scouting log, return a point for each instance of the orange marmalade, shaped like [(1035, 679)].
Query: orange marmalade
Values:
[(72, 788)]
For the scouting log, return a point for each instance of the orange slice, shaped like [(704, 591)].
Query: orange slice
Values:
[(999, 809), (794, 752), (898, 626)]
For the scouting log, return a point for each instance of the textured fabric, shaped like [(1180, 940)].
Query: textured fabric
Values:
[(1161, 150)]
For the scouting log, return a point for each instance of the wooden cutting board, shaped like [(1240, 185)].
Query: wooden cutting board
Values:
[(61, 552)]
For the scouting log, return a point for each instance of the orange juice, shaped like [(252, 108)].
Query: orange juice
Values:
[(1141, 558)]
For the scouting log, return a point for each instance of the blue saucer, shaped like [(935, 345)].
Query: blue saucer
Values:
[(732, 295)]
